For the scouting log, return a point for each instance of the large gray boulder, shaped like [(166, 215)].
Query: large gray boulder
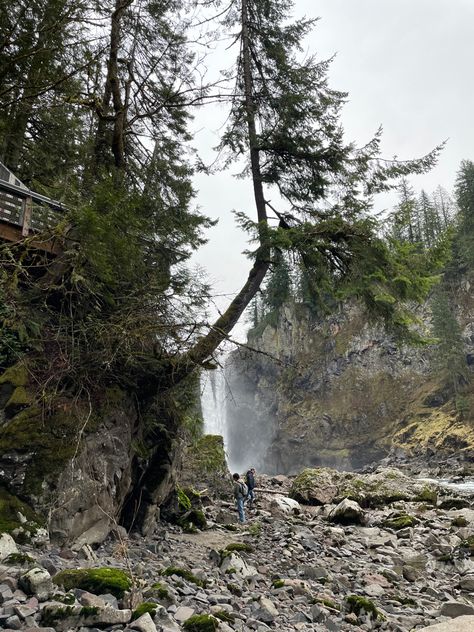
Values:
[(460, 624), (347, 512), (7, 546)]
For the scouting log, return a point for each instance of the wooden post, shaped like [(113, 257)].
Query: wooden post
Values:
[(27, 207)]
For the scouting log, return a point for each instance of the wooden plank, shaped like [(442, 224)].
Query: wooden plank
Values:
[(27, 206), (13, 234)]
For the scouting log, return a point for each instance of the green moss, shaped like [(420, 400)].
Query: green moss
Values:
[(50, 440), (19, 559), (454, 503), (20, 397), (50, 617), (184, 503), (231, 527), (400, 522), (459, 521), (231, 571), (208, 453), (160, 590), (143, 608), (358, 604), (10, 506), (239, 546), (235, 589), (201, 623), (255, 529), (468, 545), (427, 495), (193, 520), (278, 583), (67, 599), (185, 574), (16, 375), (95, 580), (225, 616)]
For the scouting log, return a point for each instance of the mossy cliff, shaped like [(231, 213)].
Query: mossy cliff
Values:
[(342, 393), (82, 463)]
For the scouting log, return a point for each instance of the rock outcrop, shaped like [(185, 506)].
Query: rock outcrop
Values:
[(340, 392)]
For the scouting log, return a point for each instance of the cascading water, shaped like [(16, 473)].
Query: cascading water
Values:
[(213, 403)]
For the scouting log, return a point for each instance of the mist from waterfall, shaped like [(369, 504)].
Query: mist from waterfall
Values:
[(229, 409)]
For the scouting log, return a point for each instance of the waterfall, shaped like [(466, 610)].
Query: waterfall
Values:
[(213, 403)]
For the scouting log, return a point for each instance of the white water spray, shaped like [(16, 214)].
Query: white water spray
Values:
[(213, 403)]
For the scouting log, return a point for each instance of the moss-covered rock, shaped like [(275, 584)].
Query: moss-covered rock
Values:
[(19, 559), (184, 573), (320, 486), (47, 443), (10, 507), (359, 605), (240, 547), (400, 522), (95, 580), (278, 583), (16, 375), (143, 608), (205, 465), (468, 545), (201, 623)]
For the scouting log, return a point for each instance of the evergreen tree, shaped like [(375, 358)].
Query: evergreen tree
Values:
[(465, 201), (450, 354), (405, 221), (278, 288)]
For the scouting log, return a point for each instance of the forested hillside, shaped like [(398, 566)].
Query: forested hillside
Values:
[(101, 343)]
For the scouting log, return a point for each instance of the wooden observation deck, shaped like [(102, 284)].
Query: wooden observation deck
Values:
[(24, 213)]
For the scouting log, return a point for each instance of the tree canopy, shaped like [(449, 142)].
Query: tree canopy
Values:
[(95, 110)]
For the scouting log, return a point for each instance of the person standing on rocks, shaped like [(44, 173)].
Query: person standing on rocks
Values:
[(240, 493), (250, 480)]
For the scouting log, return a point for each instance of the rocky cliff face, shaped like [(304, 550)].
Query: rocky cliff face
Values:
[(341, 393), (85, 465)]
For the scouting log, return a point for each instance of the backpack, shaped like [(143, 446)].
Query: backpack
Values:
[(244, 490)]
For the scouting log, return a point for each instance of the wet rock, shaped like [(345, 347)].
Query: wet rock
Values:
[(37, 582)]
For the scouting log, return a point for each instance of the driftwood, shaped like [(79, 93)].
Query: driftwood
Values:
[(261, 490)]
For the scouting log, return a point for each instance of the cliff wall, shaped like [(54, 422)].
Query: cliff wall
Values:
[(340, 392)]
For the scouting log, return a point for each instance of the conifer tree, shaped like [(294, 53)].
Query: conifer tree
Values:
[(465, 202)]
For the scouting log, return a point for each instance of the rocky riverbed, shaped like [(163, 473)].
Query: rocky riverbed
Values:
[(374, 551)]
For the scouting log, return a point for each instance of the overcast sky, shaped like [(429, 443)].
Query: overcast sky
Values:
[(406, 64)]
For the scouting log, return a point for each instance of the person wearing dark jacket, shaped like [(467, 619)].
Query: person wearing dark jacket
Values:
[(250, 480), (240, 494)]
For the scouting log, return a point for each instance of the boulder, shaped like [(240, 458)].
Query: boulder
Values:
[(285, 506), (321, 486), (37, 582), (7, 546), (75, 617), (460, 624), (455, 609), (233, 563), (144, 623), (347, 512)]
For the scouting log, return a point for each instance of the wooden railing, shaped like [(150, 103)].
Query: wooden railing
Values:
[(24, 212)]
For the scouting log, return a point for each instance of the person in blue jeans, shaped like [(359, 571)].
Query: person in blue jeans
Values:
[(250, 480), (240, 493)]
